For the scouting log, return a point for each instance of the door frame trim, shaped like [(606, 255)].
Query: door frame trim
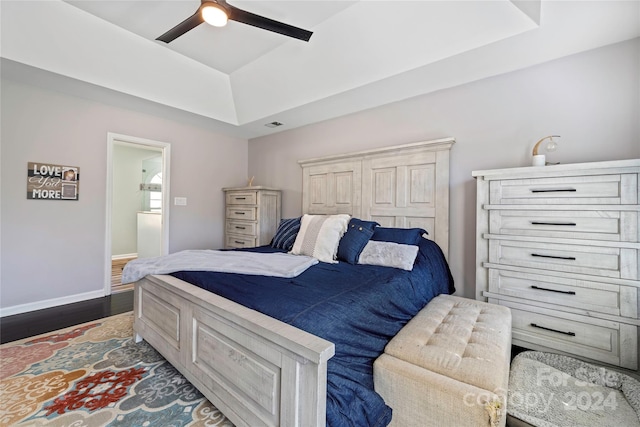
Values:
[(165, 147)]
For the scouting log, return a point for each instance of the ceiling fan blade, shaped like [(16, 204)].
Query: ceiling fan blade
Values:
[(249, 18), (187, 25)]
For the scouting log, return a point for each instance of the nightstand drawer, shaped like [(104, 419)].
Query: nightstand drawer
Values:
[(237, 241), (241, 227), (601, 340), (236, 212), (582, 259), (583, 295), (597, 225), (241, 198), (598, 189)]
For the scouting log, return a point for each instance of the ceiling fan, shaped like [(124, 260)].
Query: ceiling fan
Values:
[(217, 12)]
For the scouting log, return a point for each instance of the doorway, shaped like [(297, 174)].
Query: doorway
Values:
[(137, 209)]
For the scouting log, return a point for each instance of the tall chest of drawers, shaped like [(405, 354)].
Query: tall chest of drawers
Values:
[(560, 246), (252, 215)]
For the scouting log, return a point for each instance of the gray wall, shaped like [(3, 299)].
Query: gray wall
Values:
[(591, 99), (54, 251)]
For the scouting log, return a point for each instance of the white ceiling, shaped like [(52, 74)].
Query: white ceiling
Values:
[(362, 54), (224, 49)]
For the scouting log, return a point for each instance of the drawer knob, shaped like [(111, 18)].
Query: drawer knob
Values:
[(553, 290), (568, 258), (553, 223), (239, 213), (240, 228), (241, 198), (239, 242), (554, 190), (571, 334)]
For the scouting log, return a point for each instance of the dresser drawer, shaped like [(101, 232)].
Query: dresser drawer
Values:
[(242, 198), (238, 212), (601, 340), (582, 259), (598, 189), (238, 241), (584, 295), (241, 227), (593, 225)]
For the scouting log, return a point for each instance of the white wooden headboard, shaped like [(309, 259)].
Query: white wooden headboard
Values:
[(401, 186)]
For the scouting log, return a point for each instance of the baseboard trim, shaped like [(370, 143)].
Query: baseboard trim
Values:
[(123, 256), (54, 302)]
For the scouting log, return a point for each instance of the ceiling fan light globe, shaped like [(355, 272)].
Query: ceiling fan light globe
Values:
[(214, 15)]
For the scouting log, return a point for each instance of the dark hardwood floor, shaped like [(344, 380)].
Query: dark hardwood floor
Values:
[(38, 322)]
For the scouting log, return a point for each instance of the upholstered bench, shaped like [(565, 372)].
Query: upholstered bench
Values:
[(449, 366)]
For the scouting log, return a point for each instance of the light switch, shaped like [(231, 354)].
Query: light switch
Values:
[(180, 201)]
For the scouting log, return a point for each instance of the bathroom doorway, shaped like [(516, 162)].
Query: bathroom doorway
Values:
[(137, 204)]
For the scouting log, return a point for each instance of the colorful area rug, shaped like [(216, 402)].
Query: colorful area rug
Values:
[(95, 375)]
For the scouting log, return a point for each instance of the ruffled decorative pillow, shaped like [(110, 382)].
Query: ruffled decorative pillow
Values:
[(320, 235), (389, 254)]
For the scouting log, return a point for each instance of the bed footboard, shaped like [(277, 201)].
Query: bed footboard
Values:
[(257, 370)]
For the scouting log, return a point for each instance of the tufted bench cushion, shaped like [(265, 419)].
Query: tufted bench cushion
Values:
[(449, 365)]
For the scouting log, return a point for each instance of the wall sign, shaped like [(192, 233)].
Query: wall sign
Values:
[(52, 182)]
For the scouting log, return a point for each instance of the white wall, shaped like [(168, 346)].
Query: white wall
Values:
[(591, 99), (54, 251)]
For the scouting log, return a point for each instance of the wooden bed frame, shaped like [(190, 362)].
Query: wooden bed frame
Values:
[(257, 370)]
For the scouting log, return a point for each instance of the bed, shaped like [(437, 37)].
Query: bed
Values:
[(264, 359)]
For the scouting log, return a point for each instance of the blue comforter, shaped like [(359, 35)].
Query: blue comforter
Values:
[(357, 307)]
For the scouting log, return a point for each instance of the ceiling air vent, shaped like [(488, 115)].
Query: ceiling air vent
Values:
[(273, 124)]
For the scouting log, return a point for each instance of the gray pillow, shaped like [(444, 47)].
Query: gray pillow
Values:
[(389, 254)]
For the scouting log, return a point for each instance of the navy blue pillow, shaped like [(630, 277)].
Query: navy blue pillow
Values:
[(355, 239), (286, 234), (403, 236)]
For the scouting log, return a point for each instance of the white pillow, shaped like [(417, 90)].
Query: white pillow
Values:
[(320, 235), (389, 254)]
